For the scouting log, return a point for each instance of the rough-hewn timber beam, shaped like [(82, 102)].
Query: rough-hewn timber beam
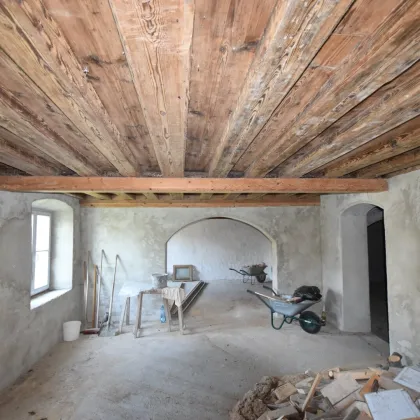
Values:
[(191, 185), (295, 33)]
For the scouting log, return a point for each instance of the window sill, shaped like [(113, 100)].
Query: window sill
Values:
[(45, 297)]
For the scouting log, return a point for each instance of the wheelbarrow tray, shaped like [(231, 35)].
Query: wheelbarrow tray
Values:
[(281, 306), (253, 270)]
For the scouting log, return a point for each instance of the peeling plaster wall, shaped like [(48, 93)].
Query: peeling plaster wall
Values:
[(401, 206), (26, 335), (214, 245), (139, 236)]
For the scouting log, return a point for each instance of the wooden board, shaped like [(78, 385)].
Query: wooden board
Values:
[(226, 36), (156, 36), (192, 185), (295, 33), (377, 59), (90, 29)]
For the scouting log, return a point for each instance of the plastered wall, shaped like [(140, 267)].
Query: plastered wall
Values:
[(26, 335), (401, 206), (139, 237), (214, 245)]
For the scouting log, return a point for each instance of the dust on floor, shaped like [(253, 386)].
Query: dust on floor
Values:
[(228, 347)]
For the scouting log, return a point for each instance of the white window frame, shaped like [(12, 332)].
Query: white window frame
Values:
[(34, 218)]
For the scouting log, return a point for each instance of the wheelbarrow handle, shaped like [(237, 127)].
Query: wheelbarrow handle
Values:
[(269, 288), (241, 272)]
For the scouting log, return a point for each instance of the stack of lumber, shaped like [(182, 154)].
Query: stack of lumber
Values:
[(384, 393)]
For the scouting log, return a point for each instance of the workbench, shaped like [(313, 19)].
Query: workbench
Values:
[(137, 324)]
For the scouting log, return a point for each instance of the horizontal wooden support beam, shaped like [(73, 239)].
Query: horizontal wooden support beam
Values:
[(197, 202), (191, 185)]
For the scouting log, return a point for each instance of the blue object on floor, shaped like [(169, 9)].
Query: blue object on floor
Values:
[(162, 314)]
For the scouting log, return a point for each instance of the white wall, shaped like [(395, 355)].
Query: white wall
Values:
[(401, 206), (214, 245), (26, 335), (139, 236)]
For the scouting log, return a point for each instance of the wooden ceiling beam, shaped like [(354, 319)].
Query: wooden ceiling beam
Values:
[(33, 40), (157, 39), (393, 104), (312, 107), (197, 203), (191, 185), (295, 33), (388, 166), (394, 142)]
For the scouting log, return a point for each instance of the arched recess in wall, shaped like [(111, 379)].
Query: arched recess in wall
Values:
[(363, 253), (214, 244), (59, 216)]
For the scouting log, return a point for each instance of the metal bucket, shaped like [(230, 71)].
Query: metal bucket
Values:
[(159, 280)]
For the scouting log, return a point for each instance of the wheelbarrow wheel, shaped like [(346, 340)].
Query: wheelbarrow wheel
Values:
[(261, 277), (310, 322)]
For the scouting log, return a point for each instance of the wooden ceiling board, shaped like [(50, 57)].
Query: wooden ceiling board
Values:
[(378, 59), (92, 34), (226, 35), (393, 104), (32, 39), (294, 34), (394, 142), (65, 142), (157, 39)]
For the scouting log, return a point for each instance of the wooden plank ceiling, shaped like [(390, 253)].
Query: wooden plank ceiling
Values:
[(209, 89)]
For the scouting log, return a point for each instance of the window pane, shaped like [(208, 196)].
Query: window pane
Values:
[(41, 269), (42, 233)]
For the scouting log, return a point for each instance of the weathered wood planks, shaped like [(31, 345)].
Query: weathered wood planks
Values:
[(226, 36), (156, 36), (295, 33), (32, 39), (376, 60)]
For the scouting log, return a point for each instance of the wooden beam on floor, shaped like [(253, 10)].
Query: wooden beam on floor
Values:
[(191, 185), (157, 41), (197, 203), (316, 103), (294, 34)]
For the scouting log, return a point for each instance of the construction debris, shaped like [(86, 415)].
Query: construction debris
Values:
[(385, 393)]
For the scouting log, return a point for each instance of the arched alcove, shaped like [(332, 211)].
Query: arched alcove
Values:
[(59, 217), (215, 244), (364, 267)]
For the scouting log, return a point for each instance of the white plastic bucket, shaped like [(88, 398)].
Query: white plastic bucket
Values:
[(71, 330)]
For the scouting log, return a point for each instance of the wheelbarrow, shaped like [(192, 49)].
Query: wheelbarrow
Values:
[(309, 321), (251, 271)]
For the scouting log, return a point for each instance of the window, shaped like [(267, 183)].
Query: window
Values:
[(41, 244)]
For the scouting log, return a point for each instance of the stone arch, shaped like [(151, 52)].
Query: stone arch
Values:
[(273, 242)]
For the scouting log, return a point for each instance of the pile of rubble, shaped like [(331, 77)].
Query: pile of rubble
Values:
[(390, 392)]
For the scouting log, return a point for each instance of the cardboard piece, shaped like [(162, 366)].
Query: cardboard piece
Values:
[(340, 388)]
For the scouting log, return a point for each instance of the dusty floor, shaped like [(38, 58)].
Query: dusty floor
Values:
[(229, 345)]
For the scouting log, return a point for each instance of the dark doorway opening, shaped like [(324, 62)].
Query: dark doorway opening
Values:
[(377, 273)]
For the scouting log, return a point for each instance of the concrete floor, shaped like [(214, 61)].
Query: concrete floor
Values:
[(229, 346)]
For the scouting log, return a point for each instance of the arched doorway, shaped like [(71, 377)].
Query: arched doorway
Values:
[(214, 244), (365, 307)]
